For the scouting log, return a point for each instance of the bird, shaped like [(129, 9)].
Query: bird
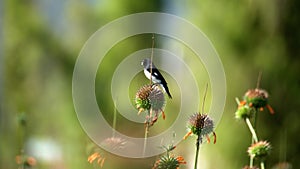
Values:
[(157, 77)]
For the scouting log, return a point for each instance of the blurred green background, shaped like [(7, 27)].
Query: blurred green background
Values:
[(41, 39)]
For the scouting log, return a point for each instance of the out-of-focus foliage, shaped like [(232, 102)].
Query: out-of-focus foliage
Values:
[(42, 39)]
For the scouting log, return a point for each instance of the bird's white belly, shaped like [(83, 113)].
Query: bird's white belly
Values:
[(148, 75)]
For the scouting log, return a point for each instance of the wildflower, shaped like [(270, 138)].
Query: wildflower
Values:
[(259, 150), (151, 98), (114, 143), (96, 156), (169, 162), (200, 125), (258, 98), (244, 111)]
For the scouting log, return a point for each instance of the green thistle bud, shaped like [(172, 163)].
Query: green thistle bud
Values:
[(257, 98), (244, 112), (259, 150)]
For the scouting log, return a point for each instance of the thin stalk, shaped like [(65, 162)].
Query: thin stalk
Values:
[(254, 138), (251, 161), (258, 79), (145, 138), (197, 152), (146, 133), (252, 130), (114, 120), (204, 97), (151, 58), (237, 101), (262, 165)]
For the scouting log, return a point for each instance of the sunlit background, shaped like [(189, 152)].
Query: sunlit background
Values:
[(41, 39)]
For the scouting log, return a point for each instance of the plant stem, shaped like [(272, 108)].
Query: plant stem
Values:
[(262, 165), (197, 151), (252, 130), (114, 120), (254, 137), (145, 138)]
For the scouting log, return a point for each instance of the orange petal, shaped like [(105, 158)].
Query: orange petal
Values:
[(101, 165), (242, 103), (207, 138), (270, 109), (187, 135), (261, 109), (163, 114)]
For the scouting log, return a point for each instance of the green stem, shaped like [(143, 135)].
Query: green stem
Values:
[(251, 161), (197, 152), (237, 101), (262, 165), (254, 137), (114, 120), (252, 130), (146, 132), (145, 138)]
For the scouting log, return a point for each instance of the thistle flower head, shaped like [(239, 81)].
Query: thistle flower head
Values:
[(259, 150), (244, 111), (156, 98), (257, 98), (113, 143), (142, 98), (200, 125), (169, 162), (149, 97)]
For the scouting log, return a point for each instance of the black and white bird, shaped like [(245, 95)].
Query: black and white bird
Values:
[(157, 78)]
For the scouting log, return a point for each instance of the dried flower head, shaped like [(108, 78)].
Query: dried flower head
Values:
[(200, 125), (169, 162), (151, 98), (258, 98), (113, 143), (259, 150), (156, 98)]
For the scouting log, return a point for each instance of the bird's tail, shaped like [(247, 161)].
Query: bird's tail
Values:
[(166, 90)]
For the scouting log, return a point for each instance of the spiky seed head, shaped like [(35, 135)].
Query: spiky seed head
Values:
[(256, 97), (259, 150), (244, 111), (200, 124)]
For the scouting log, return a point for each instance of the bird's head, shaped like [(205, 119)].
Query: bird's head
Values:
[(146, 63)]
